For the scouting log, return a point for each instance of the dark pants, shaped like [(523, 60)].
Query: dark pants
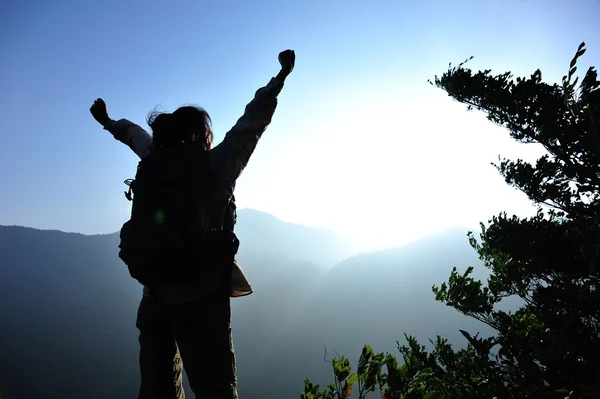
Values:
[(198, 333)]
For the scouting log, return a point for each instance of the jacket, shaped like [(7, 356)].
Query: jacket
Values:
[(227, 161)]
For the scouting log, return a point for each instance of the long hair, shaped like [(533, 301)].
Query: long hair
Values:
[(187, 126)]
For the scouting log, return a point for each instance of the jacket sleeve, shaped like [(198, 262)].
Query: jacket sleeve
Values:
[(229, 158), (134, 136)]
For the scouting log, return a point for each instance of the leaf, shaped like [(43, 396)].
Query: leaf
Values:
[(572, 71), (432, 395), (423, 376), (363, 361), (467, 336), (352, 379), (343, 374), (348, 391), (575, 81), (573, 62)]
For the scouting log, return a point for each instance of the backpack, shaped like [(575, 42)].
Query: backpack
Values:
[(176, 229)]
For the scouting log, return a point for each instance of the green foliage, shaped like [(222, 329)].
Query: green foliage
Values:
[(441, 373), (409, 380), (550, 346), (550, 260)]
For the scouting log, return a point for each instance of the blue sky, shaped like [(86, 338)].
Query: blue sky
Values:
[(360, 143)]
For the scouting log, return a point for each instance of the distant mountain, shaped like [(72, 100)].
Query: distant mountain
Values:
[(369, 299), (68, 308), (291, 241)]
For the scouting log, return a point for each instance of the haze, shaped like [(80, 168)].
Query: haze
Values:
[(363, 155)]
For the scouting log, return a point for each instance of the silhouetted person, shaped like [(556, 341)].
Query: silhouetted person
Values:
[(189, 317)]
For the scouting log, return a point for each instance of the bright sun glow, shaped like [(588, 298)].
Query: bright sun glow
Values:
[(392, 171)]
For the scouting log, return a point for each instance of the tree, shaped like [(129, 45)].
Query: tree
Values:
[(550, 347), (550, 260)]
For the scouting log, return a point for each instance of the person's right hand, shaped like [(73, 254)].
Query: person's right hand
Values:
[(99, 111), (287, 59)]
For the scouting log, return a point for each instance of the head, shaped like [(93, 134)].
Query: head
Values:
[(188, 126)]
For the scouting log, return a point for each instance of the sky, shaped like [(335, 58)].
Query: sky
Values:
[(360, 143)]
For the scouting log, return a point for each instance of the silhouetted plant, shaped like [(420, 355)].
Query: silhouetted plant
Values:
[(550, 346)]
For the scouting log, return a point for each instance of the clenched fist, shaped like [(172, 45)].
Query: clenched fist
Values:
[(287, 59), (99, 111)]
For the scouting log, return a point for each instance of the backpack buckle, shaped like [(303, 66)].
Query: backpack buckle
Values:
[(130, 184)]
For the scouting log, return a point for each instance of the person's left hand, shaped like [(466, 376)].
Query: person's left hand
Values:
[(99, 111)]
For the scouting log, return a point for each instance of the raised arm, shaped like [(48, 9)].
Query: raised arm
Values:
[(127, 132), (230, 157)]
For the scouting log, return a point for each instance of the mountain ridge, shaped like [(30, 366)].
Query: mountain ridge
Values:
[(68, 307), (243, 211), (248, 215)]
